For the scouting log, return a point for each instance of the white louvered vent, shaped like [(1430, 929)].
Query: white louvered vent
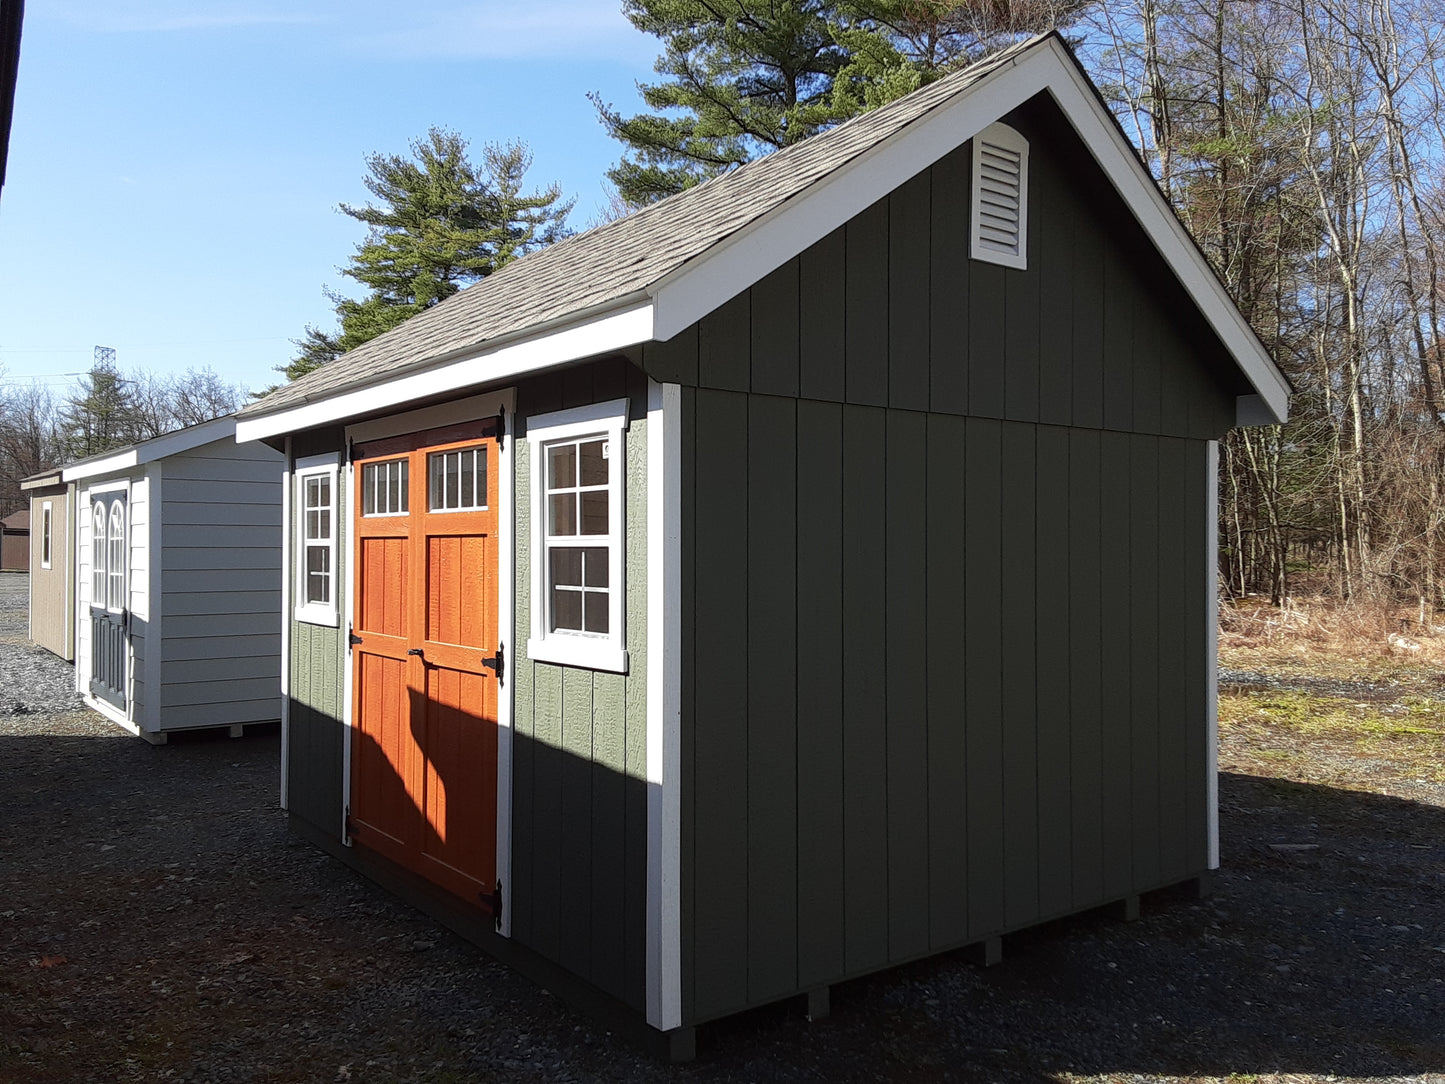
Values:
[(1000, 202)]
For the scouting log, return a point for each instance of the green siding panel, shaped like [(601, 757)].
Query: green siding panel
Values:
[(1018, 644), (905, 655), (908, 294), (775, 307), (720, 753), (821, 321), (1143, 626), (723, 345), (983, 673), (771, 681), (1086, 557), (948, 285), (865, 274), (947, 652), (1054, 647), (821, 886), (865, 738), (1116, 669)]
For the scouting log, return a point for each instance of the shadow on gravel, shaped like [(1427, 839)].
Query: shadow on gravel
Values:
[(158, 922)]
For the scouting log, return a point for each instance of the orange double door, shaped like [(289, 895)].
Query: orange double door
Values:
[(426, 659)]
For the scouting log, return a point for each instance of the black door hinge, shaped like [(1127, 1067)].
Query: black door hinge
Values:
[(352, 638), (498, 662), (501, 428)]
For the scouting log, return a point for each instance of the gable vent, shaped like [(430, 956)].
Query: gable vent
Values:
[(999, 220)]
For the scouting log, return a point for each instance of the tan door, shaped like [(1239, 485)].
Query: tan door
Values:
[(426, 656)]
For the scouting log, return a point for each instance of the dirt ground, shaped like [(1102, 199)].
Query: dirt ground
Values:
[(158, 923)]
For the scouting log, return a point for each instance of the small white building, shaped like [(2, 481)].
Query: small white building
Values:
[(178, 582)]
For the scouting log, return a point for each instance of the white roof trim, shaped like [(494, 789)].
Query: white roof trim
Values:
[(148, 451), (602, 334), (699, 286)]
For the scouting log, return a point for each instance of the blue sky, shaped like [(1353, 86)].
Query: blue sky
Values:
[(175, 165)]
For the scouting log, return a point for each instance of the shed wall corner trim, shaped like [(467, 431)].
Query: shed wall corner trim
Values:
[(664, 705)]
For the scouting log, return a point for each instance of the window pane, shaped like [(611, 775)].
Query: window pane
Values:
[(566, 609), (318, 574), (437, 482), (467, 497), (596, 563), (594, 467), (384, 488), (567, 567), (323, 492), (594, 512), (596, 611), (562, 514), (561, 466)]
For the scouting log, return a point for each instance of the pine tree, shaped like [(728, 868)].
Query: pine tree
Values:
[(749, 76), (742, 78), (440, 223), (99, 415)]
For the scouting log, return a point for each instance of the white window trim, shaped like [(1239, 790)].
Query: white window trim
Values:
[(608, 420), (315, 613), (1000, 135), (47, 539)]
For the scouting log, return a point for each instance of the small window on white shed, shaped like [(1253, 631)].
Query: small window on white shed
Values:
[(999, 214)]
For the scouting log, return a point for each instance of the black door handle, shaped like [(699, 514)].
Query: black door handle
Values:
[(415, 651)]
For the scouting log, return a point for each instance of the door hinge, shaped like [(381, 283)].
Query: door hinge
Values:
[(498, 662), (501, 428), (351, 637), (492, 901)]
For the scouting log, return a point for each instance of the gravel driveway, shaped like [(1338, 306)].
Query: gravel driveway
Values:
[(158, 923)]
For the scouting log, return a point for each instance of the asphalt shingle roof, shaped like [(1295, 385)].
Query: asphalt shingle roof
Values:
[(620, 259)]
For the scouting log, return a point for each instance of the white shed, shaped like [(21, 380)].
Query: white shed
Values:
[(178, 582)]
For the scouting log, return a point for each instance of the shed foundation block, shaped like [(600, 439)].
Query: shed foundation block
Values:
[(985, 953), (817, 1003)]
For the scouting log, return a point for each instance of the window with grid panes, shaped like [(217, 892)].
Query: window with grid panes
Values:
[(316, 587), (578, 469)]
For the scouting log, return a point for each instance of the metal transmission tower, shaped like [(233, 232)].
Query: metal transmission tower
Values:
[(105, 355)]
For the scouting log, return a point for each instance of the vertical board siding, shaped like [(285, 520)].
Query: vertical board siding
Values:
[(719, 708), (768, 654), (821, 885), (579, 770), (865, 701), (317, 711), (905, 658), (965, 635)]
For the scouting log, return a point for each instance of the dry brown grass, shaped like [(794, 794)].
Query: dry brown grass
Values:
[(1368, 640)]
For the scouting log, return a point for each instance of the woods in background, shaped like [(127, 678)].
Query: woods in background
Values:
[(1301, 144), (106, 409)]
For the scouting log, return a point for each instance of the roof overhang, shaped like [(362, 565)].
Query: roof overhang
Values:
[(147, 451), (699, 286), (43, 480), (601, 333)]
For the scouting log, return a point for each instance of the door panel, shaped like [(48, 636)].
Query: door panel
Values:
[(109, 615), (424, 777)]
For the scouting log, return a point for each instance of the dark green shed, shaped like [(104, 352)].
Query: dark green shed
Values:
[(847, 538)]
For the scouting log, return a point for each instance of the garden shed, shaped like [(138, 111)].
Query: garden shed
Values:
[(177, 581), (52, 562), (15, 542), (806, 574)]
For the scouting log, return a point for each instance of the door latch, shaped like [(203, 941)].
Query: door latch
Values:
[(498, 662)]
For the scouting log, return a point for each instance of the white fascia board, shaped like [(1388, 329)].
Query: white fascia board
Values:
[(1120, 163), (700, 286), (724, 271), (601, 334), (148, 451), (109, 465)]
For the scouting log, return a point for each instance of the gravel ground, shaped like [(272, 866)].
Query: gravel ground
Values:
[(158, 923)]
